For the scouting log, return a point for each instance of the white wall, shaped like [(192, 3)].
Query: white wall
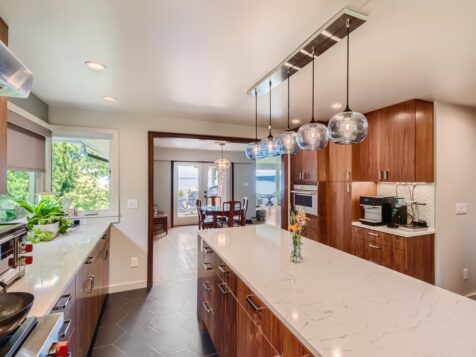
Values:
[(455, 182), (129, 238)]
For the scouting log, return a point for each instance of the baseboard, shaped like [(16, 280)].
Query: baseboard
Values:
[(472, 295), (115, 288)]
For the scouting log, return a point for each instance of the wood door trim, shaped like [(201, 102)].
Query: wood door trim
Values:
[(151, 135)]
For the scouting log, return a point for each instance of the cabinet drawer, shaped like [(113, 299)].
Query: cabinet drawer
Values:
[(375, 237), (226, 275), (66, 303), (398, 242)]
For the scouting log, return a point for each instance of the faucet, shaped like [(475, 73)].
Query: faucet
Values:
[(3, 286)]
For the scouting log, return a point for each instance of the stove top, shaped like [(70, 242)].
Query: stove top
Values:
[(9, 345)]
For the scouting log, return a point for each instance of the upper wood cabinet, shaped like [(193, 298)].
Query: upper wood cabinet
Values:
[(3, 122), (339, 162), (399, 145), (309, 166)]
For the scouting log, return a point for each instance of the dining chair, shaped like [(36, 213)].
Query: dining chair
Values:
[(204, 222), (231, 211), (213, 201)]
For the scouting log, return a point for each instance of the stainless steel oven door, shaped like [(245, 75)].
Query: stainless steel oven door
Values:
[(305, 200)]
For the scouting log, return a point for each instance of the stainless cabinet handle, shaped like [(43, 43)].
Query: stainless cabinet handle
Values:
[(62, 303), (207, 307), (379, 175), (374, 246), (222, 287), (206, 285), (90, 279), (385, 175), (64, 329), (207, 266), (223, 268), (249, 300), (348, 188), (208, 250), (372, 234), (90, 260), (106, 253), (348, 175)]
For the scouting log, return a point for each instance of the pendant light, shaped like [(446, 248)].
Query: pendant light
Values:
[(287, 141), (268, 145), (222, 164), (314, 135), (348, 127), (253, 149)]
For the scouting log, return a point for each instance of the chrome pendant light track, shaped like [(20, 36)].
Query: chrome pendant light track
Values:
[(268, 145), (253, 149), (287, 141)]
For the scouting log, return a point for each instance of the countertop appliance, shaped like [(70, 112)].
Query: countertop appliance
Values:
[(37, 337), (13, 250), (377, 210), (15, 79), (305, 197)]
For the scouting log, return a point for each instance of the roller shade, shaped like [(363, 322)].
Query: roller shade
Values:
[(25, 148)]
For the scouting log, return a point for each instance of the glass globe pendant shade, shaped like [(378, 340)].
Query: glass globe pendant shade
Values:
[(286, 143), (222, 164), (312, 136), (253, 151), (268, 147), (348, 127)]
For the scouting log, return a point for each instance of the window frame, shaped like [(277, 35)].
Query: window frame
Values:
[(94, 133)]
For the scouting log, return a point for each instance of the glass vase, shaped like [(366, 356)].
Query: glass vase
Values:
[(296, 252)]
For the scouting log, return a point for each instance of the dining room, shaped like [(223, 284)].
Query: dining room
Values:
[(199, 182)]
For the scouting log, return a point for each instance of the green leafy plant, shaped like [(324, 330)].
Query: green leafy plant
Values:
[(38, 235), (48, 211)]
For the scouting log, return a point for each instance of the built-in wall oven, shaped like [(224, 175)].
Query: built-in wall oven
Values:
[(305, 197)]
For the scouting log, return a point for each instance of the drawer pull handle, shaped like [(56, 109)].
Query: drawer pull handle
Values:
[(207, 266), (207, 287), (249, 300), (62, 302), (90, 279), (207, 307), (223, 289), (64, 329), (90, 260), (223, 268), (374, 246), (373, 234), (208, 250)]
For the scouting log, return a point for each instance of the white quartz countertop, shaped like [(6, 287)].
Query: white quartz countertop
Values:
[(396, 231), (56, 262), (339, 305)]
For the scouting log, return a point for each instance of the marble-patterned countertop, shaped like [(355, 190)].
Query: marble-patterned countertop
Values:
[(396, 231), (56, 262), (339, 305)]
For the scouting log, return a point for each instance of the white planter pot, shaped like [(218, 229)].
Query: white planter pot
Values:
[(53, 228)]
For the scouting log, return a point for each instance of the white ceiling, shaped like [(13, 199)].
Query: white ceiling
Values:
[(196, 59), (196, 144)]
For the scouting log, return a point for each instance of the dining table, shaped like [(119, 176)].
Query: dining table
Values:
[(217, 212)]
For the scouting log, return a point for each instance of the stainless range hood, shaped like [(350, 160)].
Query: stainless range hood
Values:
[(15, 79)]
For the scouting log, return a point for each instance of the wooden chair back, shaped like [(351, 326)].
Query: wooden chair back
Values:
[(214, 201), (231, 209)]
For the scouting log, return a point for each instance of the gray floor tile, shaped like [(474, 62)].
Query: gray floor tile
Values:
[(108, 351), (145, 352), (111, 316), (169, 321), (172, 340), (202, 344), (184, 353), (192, 324), (107, 335), (137, 338)]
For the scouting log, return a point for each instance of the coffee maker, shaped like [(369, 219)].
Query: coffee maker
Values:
[(377, 210), (398, 215)]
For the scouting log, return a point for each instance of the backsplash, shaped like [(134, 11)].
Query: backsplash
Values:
[(424, 193)]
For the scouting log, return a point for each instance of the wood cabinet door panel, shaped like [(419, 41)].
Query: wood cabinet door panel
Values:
[(358, 242), (365, 156), (340, 162), (335, 192)]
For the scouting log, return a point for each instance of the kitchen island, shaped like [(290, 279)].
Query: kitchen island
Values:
[(333, 303)]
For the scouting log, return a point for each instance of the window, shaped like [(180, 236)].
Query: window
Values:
[(81, 172), (24, 185)]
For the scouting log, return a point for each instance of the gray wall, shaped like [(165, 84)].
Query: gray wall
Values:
[(32, 105), (245, 186)]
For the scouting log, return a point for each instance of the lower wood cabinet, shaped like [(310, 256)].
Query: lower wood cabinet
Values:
[(413, 256), (238, 323), (82, 300)]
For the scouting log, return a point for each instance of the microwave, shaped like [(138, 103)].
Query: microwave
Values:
[(305, 197)]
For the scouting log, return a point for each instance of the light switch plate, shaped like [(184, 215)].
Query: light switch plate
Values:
[(132, 204), (461, 208)]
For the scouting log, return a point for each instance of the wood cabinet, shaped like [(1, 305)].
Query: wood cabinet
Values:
[(339, 162), (309, 166), (3, 122), (238, 322), (413, 256), (399, 145)]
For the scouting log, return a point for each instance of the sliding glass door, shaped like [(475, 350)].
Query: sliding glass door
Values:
[(192, 181)]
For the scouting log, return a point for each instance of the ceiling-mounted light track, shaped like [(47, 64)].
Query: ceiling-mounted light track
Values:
[(323, 39)]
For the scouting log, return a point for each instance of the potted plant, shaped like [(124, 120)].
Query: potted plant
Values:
[(47, 218)]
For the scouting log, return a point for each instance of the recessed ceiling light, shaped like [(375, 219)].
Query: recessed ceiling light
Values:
[(296, 121), (95, 66), (109, 99), (336, 106)]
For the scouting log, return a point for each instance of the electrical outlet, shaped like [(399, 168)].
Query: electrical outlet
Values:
[(133, 204), (465, 274), (134, 262), (461, 208)]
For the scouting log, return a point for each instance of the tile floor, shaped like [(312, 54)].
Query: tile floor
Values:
[(162, 321)]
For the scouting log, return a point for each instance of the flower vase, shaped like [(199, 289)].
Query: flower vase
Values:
[(296, 252)]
